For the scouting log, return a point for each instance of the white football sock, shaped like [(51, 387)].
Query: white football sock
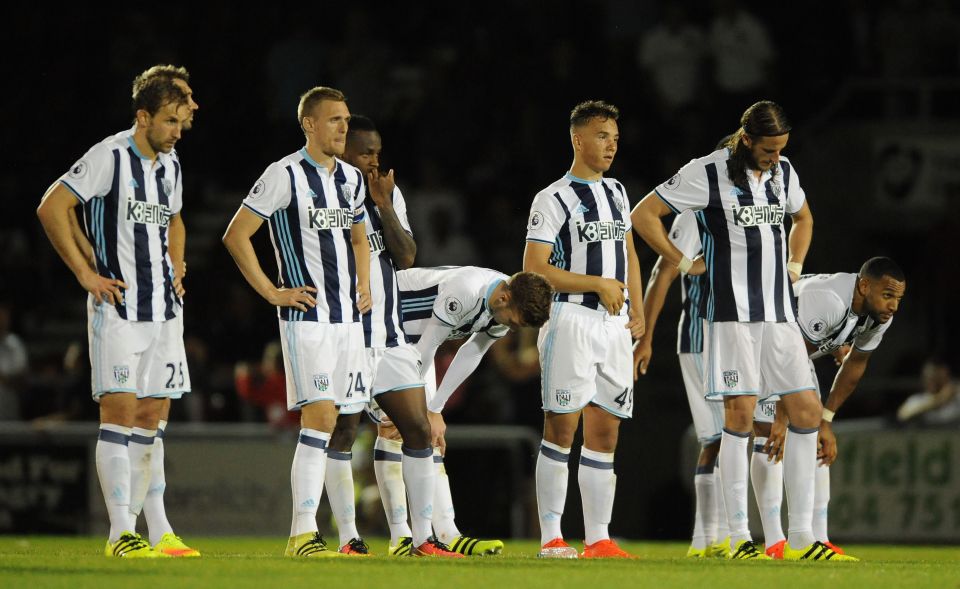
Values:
[(767, 479), (734, 465), (419, 475), (443, 513), (552, 475), (113, 470), (723, 525), (338, 481), (387, 465), (154, 510), (799, 472), (705, 515), (306, 479), (598, 485), (821, 501), (141, 456)]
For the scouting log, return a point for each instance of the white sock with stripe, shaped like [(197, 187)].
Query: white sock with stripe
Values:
[(113, 470), (552, 475), (767, 479), (306, 479), (723, 525), (734, 464), (141, 455), (154, 510), (799, 472), (420, 477), (705, 515), (443, 513), (341, 493), (387, 465), (598, 485)]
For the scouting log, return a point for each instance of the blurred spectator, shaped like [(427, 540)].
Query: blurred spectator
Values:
[(13, 367), (743, 57), (939, 402), (264, 386), (673, 53)]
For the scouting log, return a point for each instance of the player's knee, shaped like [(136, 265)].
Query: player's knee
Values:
[(709, 453), (761, 429), (416, 434), (343, 436)]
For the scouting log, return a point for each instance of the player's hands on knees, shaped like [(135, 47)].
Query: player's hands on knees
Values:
[(827, 441), (699, 266), (103, 289), (364, 300), (611, 295), (642, 350), (774, 445), (299, 298), (637, 323), (840, 353), (381, 187)]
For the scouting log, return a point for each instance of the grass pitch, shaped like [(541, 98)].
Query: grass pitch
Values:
[(235, 563)]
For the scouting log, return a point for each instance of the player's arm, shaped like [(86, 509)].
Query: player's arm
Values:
[(435, 332), (54, 212), (361, 251), (637, 323), (846, 381), (801, 233), (536, 258), (80, 238), (237, 241), (400, 244), (645, 218), (464, 363), (177, 233), (661, 277)]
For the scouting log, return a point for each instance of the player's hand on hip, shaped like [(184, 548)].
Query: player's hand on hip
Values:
[(381, 187), (827, 451), (774, 445), (103, 289), (611, 295), (642, 350), (299, 298), (178, 286), (364, 301), (699, 266)]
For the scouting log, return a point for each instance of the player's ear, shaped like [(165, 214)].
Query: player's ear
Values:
[(143, 118)]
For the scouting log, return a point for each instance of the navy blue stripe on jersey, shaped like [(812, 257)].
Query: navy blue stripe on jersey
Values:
[(621, 262), (754, 259), (468, 326), (716, 245), (109, 213), (389, 273), (292, 244), (141, 245), (339, 180), (595, 248), (417, 304), (168, 294), (561, 247), (778, 255)]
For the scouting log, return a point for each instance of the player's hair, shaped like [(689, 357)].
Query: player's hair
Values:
[(878, 267), (761, 119), (530, 293), (155, 92), (315, 96), (171, 72), (360, 123), (583, 112)]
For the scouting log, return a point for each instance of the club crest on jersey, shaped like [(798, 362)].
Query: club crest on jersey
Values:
[(78, 170), (563, 397), (768, 409), (536, 220), (321, 382), (148, 213), (601, 231), (329, 218), (672, 183), (731, 378), (121, 374), (755, 215), (618, 202), (167, 185), (776, 188)]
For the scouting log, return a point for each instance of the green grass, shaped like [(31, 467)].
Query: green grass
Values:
[(236, 563)]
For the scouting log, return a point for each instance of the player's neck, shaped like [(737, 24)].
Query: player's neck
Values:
[(317, 155), (584, 172), (856, 305), (143, 146)]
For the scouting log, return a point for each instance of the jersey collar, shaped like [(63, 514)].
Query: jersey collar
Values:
[(318, 166), (490, 288), (578, 179)]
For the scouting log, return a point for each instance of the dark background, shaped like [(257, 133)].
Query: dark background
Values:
[(473, 101)]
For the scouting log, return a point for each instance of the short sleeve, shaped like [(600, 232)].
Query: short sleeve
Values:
[(176, 199), (795, 194), (869, 340), (400, 208), (359, 194), (92, 175), (454, 300), (622, 201), (271, 192), (687, 189), (685, 234), (820, 312), (546, 218)]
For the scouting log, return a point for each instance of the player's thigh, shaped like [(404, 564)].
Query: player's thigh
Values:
[(614, 383), (784, 364), (165, 372), (731, 353), (601, 429), (116, 349), (568, 346), (324, 362), (118, 408)]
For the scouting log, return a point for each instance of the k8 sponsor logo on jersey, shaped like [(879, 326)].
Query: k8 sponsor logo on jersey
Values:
[(754, 215), (148, 213), (601, 231), (329, 218)]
